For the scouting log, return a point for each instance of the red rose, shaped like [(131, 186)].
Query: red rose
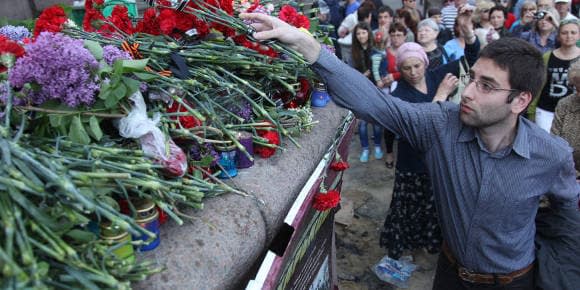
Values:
[(326, 201), (339, 166)]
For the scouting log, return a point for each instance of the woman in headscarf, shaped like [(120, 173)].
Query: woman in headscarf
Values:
[(411, 221)]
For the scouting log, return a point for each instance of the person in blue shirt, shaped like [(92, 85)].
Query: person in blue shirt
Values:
[(488, 164)]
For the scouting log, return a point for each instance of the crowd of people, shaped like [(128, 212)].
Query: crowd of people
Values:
[(482, 98)]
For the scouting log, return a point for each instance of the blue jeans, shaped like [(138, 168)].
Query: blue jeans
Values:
[(364, 136)]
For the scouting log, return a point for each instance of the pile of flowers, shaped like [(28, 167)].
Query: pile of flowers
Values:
[(192, 74)]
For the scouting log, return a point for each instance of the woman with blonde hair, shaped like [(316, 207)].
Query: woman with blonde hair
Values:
[(544, 32), (483, 27)]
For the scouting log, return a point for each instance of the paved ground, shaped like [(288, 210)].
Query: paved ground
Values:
[(367, 191)]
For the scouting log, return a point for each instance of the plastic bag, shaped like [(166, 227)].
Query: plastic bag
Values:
[(153, 143), (396, 272)]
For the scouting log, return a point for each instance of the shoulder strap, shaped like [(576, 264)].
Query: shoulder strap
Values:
[(534, 103)]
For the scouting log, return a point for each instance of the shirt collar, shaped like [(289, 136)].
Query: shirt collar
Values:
[(521, 145)]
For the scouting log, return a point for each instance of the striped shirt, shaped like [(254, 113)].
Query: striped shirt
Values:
[(486, 201), (448, 14)]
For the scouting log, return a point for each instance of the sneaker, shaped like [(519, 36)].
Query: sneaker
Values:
[(378, 152), (364, 156)]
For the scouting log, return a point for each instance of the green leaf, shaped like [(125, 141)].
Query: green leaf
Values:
[(77, 132), (95, 48), (132, 85), (105, 90), (94, 128), (81, 236), (55, 120), (146, 76), (134, 65), (116, 94)]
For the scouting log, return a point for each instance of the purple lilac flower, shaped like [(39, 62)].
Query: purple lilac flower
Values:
[(143, 87), (245, 111), (112, 53), (58, 68), (198, 151), (15, 33)]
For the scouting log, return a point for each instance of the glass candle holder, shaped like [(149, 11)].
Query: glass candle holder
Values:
[(246, 139), (227, 161)]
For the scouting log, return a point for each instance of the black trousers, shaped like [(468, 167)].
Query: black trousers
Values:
[(446, 278)]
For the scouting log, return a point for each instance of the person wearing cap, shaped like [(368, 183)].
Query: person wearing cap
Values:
[(412, 221), (488, 165), (544, 32), (427, 32), (563, 7), (557, 85)]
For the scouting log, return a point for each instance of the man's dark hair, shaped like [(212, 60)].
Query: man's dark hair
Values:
[(498, 8), (387, 9), (398, 27), (522, 61), (364, 11), (433, 11)]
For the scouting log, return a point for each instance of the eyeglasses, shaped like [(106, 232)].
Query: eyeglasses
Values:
[(397, 35), (483, 87)]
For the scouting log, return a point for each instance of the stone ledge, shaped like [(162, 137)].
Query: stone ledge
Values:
[(217, 249)]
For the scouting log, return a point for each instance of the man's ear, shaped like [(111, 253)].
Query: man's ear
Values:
[(521, 101)]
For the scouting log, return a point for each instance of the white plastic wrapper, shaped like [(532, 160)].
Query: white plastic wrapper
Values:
[(153, 142), (396, 272)]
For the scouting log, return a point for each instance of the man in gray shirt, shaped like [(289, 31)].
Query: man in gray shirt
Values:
[(488, 165)]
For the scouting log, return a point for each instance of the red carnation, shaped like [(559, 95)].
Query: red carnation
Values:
[(167, 21), (326, 201), (301, 21), (273, 138), (51, 20), (8, 46), (339, 165), (184, 121), (120, 18), (289, 15), (149, 24)]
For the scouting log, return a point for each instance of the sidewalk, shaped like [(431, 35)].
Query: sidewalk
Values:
[(366, 195)]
